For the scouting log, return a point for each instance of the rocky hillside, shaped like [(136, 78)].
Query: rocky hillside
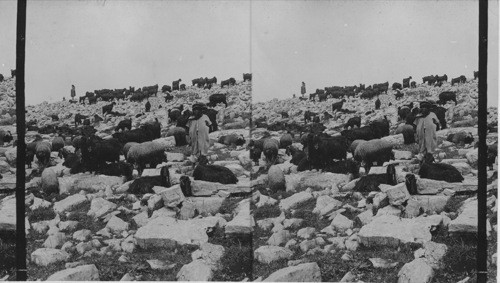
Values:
[(322, 229), (93, 228)]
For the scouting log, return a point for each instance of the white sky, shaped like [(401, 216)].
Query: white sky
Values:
[(326, 43), (116, 44)]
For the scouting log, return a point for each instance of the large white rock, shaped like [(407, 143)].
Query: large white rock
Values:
[(463, 167), (100, 207), (390, 230), (295, 200), (47, 256), (172, 196), (197, 270), (269, 254), (428, 203), (80, 273), (97, 183), (210, 253), (397, 194), (117, 225), (242, 223), (433, 253), (167, 231), (467, 220), (322, 180), (11, 156), (305, 272), (341, 223), (69, 203), (8, 213), (472, 157), (417, 271)]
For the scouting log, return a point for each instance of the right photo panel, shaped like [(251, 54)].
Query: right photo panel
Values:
[(364, 140)]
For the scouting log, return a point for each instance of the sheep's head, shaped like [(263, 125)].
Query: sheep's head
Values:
[(185, 184)]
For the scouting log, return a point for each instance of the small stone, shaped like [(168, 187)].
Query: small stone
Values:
[(82, 235)]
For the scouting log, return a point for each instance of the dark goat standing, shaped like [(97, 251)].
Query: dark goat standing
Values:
[(124, 124), (217, 98), (107, 108), (338, 105), (354, 121), (323, 150)]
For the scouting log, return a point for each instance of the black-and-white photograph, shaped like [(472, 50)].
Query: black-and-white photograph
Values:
[(364, 140), (279, 141), (137, 120)]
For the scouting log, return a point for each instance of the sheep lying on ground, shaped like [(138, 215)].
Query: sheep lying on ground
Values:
[(438, 171), (144, 185), (461, 138), (376, 150), (151, 153), (214, 173), (371, 182), (117, 169), (232, 139)]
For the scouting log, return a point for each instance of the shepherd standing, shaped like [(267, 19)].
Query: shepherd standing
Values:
[(303, 89), (199, 125), (426, 124)]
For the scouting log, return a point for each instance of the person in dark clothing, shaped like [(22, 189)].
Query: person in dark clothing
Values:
[(148, 106)]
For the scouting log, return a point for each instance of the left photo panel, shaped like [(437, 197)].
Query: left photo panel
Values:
[(137, 124), (8, 135)]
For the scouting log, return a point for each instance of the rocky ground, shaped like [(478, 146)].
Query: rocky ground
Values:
[(94, 229), (316, 230), (321, 230)]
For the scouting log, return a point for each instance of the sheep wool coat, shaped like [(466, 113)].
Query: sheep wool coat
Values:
[(426, 133), (198, 134)]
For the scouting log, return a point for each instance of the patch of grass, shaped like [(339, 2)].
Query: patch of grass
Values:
[(41, 214), (236, 264), (454, 203), (266, 211), (264, 269), (7, 258), (229, 204), (460, 259)]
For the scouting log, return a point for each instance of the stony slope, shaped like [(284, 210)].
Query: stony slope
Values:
[(319, 229)]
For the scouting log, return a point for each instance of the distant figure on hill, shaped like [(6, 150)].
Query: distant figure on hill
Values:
[(426, 123), (294, 95), (303, 89), (73, 91), (64, 98), (148, 106)]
